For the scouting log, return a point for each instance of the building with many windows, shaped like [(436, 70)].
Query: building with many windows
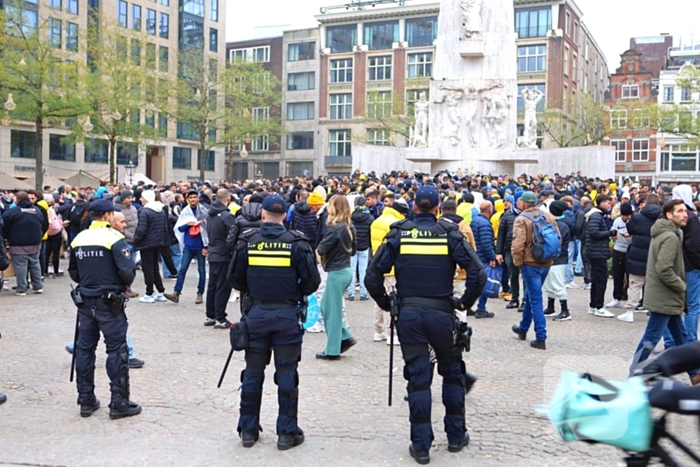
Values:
[(169, 26)]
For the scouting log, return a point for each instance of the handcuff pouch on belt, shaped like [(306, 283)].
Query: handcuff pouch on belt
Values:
[(116, 302)]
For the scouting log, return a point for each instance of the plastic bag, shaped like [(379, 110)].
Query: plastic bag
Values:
[(312, 311), (493, 282)]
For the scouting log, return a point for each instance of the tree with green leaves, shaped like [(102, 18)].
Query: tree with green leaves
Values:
[(584, 122), (43, 79), (121, 89)]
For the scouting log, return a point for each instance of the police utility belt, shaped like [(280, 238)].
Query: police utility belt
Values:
[(442, 304), (115, 300)]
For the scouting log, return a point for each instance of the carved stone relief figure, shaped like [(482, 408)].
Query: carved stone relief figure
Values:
[(419, 134), (452, 98), (471, 18), (472, 106), (494, 116), (531, 97)]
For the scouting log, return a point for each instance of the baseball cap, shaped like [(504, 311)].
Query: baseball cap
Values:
[(427, 197), (100, 207), (528, 197), (275, 204)]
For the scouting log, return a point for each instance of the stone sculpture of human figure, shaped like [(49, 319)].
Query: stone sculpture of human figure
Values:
[(420, 131), (471, 18), (453, 99), (531, 97), (471, 94), (494, 117)]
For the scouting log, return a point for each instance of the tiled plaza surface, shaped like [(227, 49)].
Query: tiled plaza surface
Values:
[(187, 421)]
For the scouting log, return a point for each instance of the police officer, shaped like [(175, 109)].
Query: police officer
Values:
[(425, 253), (101, 263), (274, 269)]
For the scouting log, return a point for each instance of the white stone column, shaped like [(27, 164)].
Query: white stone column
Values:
[(360, 36), (402, 29)]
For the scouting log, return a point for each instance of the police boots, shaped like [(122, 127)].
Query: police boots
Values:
[(290, 440), (121, 408), (88, 404)]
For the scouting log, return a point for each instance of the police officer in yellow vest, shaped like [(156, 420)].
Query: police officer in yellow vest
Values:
[(274, 270), (425, 253), (102, 265)]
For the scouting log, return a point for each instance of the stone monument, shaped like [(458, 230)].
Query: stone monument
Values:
[(419, 133), (530, 97)]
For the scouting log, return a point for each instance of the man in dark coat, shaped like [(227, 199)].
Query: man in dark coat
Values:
[(220, 223), (362, 220), (503, 243), (639, 227), (598, 251), (483, 235), (151, 235)]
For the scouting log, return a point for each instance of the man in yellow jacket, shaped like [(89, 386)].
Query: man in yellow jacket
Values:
[(378, 230)]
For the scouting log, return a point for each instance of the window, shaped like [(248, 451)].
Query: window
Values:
[(420, 65), (300, 111), (574, 68), (165, 2), (341, 106), (261, 114), (620, 146), (413, 96), (301, 81), (135, 17), (381, 36), (686, 95), (150, 22), (55, 33), (669, 92), (540, 104), (162, 126), (683, 158), (261, 83), (341, 70), (575, 33), (59, 151), (640, 150), (127, 152), (55, 4), (260, 143), (26, 17), (213, 40), (301, 51), (123, 14), (630, 91), (185, 131), (251, 54), (421, 32), (379, 104), (532, 58), (618, 118), (209, 161), (214, 12), (193, 7), (533, 22), (135, 52), (303, 140), (299, 169), (96, 151), (378, 137), (164, 25), (379, 68), (72, 7), (23, 144), (72, 37), (341, 39), (182, 158), (641, 118), (567, 25), (566, 60), (151, 64), (163, 57), (339, 143)]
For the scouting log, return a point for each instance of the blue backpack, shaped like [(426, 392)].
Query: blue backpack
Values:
[(546, 242)]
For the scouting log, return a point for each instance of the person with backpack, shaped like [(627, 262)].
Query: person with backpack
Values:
[(580, 234), (77, 215), (361, 220), (54, 241), (598, 236), (535, 239), (555, 284)]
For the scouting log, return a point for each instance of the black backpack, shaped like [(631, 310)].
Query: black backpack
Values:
[(75, 215)]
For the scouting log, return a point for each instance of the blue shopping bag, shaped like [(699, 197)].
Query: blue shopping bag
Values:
[(312, 311), (493, 282)]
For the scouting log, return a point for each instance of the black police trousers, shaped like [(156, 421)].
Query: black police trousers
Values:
[(268, 329), (95, 316), (417, 327)]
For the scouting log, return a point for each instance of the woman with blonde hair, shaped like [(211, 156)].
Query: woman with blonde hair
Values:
[(335, 249)]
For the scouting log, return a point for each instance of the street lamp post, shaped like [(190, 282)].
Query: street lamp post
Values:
[(130, 168)]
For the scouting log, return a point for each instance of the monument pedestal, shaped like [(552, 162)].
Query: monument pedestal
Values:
[(471, 48)]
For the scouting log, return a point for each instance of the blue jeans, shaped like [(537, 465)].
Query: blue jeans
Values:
[(481, 306), (187, 256), (176, 252), (579, 257), (692, 280), (656, 326), (128, 344), (573, 252), (533, 278), (360, 259)]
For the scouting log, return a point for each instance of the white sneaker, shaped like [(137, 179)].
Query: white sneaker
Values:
[(591, 311), (603, 313), (379, 337), (396, 340), (627, 317), (148, 299), (160, 298), (572, 285), (318, 327), (614, 303)]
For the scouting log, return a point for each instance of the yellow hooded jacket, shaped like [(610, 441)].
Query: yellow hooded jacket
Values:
[(496, 218), (381, 226)]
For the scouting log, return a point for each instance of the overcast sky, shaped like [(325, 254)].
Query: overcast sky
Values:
[(612, 22)]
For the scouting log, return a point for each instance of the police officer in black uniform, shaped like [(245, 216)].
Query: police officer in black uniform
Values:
[(274, 270), (101, 263), (425, 253)]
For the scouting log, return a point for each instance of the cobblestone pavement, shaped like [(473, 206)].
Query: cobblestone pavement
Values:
[(187, 421)]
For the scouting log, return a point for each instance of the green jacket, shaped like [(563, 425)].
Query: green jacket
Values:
[(664, 284)]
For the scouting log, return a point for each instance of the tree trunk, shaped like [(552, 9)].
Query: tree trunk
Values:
[(112, 160), (229, 175), (39, 174), (202, 156)]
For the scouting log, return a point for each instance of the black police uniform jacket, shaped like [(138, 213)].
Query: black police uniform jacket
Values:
[(272, 264), (101, 261), (425, 253)]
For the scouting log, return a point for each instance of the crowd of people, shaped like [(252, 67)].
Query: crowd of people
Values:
[(647, 238)]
